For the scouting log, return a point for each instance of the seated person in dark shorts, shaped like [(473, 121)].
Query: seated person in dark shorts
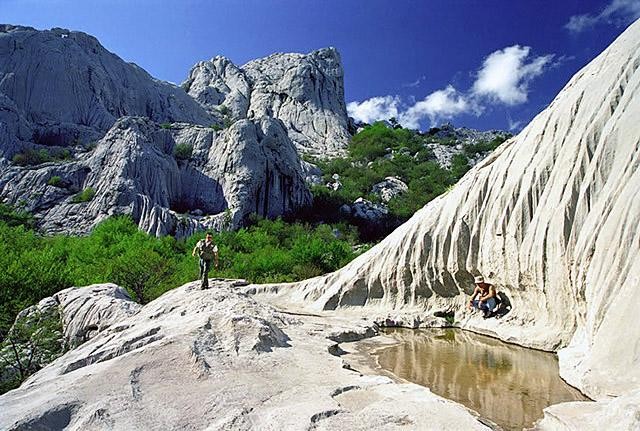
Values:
[(483, 297)]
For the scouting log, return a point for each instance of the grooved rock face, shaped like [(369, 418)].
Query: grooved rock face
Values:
[(87, 311), (551, 218), (305, 92), (251, 167)]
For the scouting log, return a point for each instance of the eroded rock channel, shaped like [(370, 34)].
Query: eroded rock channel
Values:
[(507, 384)]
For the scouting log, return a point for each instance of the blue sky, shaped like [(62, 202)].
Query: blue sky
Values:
[(478, 63)]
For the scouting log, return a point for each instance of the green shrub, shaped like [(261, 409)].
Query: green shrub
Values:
[(33, 157), (13, 217), (116, 251), (166, 125), (84, 196), (55, 181), (217, 127), (183, 151)]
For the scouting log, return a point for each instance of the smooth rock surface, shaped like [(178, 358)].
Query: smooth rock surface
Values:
[(63, 321), (551, 218), (217, 359), (86, 311)]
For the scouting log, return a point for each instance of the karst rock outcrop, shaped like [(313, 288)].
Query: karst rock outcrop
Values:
[(305, 92), (85, 135), (551, 218)]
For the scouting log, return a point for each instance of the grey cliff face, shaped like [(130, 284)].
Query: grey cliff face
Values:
[(252, 167), (65, 78), (305, 92), (61, 92)]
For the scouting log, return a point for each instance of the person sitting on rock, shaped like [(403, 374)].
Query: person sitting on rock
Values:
[(483, 297), (207, 251)]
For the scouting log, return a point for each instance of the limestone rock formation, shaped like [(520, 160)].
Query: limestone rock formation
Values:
[(551, 218), (70, 88), (76, 118), (87, 311), (366, 210), (251, 167), (305, 92), (217, 359)]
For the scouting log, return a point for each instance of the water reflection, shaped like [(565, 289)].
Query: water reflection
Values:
[(507, 384)]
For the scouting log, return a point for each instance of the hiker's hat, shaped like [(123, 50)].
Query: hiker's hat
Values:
[(479, 279)]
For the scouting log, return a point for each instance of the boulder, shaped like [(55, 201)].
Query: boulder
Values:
[(311, 173), (87, 311), (43, 332), (389, 188)]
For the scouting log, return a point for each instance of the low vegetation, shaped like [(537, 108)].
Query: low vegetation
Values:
[(84, 196), (55, 181), (36, 266), (36, 157), (183, 151), (379, 151)]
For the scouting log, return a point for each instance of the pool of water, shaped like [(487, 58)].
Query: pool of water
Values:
[(507, 384)]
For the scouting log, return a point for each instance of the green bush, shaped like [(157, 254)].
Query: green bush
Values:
[(183, 151), (217, 127), (13, 217), (33, 157), (55, 181), (377, 152), (166, 125), (36, 266), (84, 196)]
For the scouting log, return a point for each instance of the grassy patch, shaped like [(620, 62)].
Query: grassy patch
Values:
[(36, 157), (55, 181), (84, 196)]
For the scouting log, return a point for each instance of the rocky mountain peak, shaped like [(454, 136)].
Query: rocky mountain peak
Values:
[(304, 91)]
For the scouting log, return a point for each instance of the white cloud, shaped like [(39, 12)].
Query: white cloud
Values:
[(506, 73), (376, 108), (504, 78), (618, 12), (436, 106)]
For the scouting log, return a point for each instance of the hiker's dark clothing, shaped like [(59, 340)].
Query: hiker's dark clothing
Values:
[(207, 253), (487, 305)]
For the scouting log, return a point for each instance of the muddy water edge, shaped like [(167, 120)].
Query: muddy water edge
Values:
[(507, 384)]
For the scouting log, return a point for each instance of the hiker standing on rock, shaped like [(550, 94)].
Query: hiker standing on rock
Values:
[(483, 297), (207, 251)]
